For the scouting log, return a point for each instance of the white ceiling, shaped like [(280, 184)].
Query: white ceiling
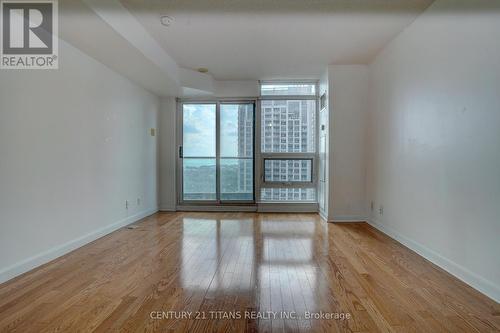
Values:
[(250, 40), (237, 40)]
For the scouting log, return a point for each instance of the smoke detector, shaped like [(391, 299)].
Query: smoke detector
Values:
[(166, 20)]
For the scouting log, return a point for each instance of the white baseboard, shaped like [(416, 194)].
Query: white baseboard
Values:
[(472, 279), (323, 216), (348, 218), (55, 252)]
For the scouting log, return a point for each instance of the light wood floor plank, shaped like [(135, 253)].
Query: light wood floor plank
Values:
[(223, 264)]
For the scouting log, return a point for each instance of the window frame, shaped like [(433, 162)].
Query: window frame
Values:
[(293, 183), (288, 82), (261, 157), (180, 102)]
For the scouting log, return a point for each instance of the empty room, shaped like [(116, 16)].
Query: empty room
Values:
[(249, 166)]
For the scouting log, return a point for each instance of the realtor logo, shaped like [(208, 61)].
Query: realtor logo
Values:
[(29, 34)]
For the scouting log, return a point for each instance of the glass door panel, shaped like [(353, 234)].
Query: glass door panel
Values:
[(236, 179), (217, 152), (236, 151), (199, 152), (199, 178)]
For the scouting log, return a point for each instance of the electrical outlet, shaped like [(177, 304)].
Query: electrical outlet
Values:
[(126, 204), (372, 205), (138, 201), (381, 210)]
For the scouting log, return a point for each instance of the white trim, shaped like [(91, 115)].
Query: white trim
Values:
[(213, 99), (57, 251), (348, 218), (322, 215), (288, 81), (477, 282)]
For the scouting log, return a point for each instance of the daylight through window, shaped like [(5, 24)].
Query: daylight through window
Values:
[(288, 141)]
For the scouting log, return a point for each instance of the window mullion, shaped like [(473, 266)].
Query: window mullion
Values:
[(217, 153)]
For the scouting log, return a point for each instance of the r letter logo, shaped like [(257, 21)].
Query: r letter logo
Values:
[(29, 34)]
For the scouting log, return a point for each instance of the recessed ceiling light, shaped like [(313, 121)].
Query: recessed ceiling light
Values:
[(166, 20), (203, 70)]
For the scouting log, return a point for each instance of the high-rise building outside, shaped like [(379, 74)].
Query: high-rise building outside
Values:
[(288, 126), (245, 148)]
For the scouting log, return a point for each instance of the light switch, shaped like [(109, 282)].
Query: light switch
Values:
[(153, 132)]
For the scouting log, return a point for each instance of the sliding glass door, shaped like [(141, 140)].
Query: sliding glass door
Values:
[(217, 152), (236, 151), (199, 152)]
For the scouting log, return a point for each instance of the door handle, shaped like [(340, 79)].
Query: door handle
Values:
[(181, 155)]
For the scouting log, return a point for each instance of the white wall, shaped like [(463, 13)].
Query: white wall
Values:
[(231, 88), (435, 153), (348, 97), (74, 145), (168, 154)]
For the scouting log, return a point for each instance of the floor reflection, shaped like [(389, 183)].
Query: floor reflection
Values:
[(269, 262)]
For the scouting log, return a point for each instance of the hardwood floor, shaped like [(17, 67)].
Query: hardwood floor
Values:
[(220, 265)]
